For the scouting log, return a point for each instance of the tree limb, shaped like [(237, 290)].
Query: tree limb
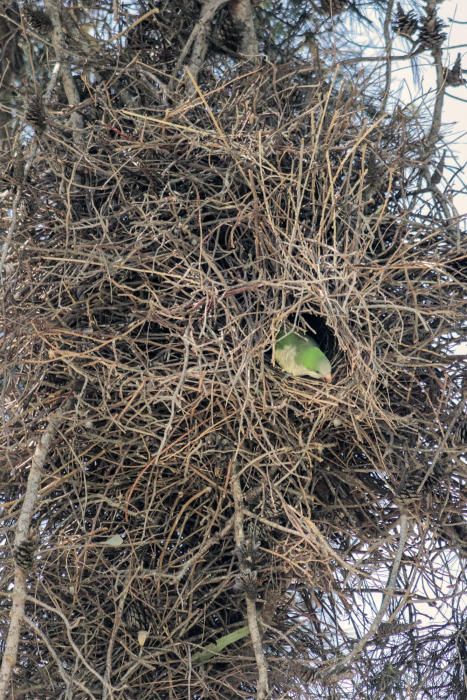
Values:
[(199, 38), (71, 91), (252, 614), (242, 11), (21, 535)]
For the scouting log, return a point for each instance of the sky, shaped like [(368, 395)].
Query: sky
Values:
[(454, 127), (455, 106)]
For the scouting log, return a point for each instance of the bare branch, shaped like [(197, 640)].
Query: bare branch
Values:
[(252, 613), (199, 39), (242, 11), (39, 458)]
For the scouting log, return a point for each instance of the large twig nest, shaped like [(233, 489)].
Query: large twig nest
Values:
[(151, 290)]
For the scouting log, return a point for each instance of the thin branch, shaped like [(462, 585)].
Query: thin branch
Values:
[(69, 682), (388, 42), (22, 530), (252, 614), (18, 196)]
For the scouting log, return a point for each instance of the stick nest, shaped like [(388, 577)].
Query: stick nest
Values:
[(150, 274)]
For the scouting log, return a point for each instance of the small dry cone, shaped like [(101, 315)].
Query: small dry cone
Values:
[(230, 32), (24, 552), (431, 32), (35, 113), (24, 555), (453, 75), (37, 19), (135, 617), (405, 23), (438, 171), (460, 433)]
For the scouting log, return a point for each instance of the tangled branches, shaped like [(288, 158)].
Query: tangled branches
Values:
[(190, 478)]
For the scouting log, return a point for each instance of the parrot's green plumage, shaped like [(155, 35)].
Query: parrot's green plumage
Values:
[(300, 356)]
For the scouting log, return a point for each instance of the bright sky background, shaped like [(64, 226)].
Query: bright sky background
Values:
[(454, 120), (454, 127), (455, 110)]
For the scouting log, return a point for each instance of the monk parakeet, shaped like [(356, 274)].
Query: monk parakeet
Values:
[(300, 356)]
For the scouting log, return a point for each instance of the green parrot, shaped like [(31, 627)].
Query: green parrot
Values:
[(300, 356)]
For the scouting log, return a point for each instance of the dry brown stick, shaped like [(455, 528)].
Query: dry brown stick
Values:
[(203, 549), (442, 445), (66, 679), (118, 616), (252, 615), (22, 530), (133, 25), (69, 629), (11, 62)]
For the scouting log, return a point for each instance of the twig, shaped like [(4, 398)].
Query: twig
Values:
[(252, 615), (22, 529), (18, 196), (69, 630), (388, 42), (69, 682)]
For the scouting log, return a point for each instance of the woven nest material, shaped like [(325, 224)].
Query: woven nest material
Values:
[(150, 291)]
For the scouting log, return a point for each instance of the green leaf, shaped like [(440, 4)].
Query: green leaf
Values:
[(215, 648)]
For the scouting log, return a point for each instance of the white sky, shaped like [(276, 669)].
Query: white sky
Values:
[(454, 127), (455, 110)]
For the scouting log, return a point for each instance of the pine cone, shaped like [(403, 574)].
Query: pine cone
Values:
[(38, 20), (405, 23), (136, 616), (229, 32), (248, 552), (35, 113), (15, 171), (24, 554), (460, 433), (247, 582), (410, 483), (453, 76), (431, 35), (373, 172), (18, 169)]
